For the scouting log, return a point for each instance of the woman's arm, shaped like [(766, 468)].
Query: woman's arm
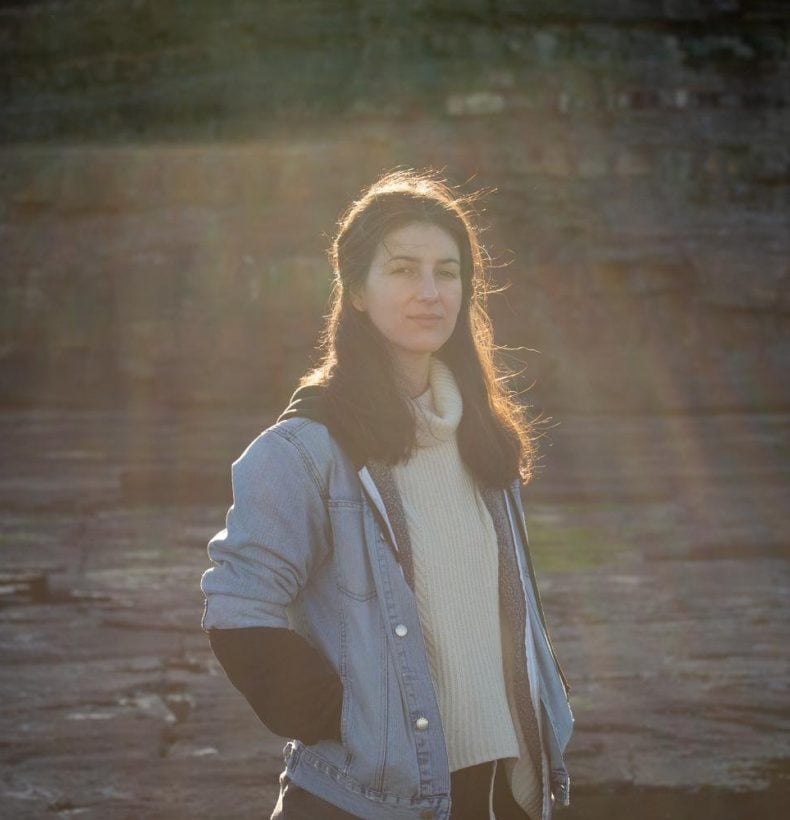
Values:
[(276, 532), (289, 684)]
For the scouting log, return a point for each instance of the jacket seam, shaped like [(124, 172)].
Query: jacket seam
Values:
[(346, 710), (306, 458), (384, 700)]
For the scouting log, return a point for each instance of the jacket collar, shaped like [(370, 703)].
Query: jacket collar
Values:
[(309, 402)]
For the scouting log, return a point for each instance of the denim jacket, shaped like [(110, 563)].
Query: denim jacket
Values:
[(315, 545)]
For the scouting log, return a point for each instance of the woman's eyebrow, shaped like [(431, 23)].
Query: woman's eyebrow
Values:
[(417, 259)]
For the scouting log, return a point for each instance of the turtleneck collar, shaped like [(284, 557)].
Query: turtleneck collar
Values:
[(438, 410)]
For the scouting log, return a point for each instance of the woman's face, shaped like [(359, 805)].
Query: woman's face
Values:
[(413, 290)]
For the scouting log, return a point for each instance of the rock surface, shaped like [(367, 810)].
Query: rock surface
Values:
[(663, 564)]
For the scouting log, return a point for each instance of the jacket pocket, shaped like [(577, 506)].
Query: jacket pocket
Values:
[(352, 561)]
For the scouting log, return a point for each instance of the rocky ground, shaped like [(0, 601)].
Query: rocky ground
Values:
[(662, 552)]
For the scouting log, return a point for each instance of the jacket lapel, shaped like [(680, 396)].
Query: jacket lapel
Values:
[(379, 484), (514, 605)]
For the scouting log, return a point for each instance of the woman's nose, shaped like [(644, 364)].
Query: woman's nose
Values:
[(428, 289)]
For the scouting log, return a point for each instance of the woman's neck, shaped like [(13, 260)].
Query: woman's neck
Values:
[(413, 373)]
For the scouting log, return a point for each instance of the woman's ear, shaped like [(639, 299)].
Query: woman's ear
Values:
[(357, 299)]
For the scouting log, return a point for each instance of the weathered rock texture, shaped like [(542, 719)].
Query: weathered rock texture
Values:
[(663, 564), (639, 149), (97, 67)]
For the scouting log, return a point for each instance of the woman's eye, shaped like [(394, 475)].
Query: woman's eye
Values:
[(448, 274)]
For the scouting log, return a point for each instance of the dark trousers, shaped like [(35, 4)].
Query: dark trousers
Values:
[(469, 790)]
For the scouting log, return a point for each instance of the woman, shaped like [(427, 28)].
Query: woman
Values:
[(372, 594)]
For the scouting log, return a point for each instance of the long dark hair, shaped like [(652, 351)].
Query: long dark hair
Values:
[(365, 408)]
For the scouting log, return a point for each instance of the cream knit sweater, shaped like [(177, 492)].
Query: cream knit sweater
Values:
[(455, 558)]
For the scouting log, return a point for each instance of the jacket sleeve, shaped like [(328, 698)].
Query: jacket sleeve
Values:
[(291, 687), (276, 532)]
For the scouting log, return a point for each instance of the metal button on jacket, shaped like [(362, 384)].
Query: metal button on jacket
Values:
[(401, 630), (421, 723)]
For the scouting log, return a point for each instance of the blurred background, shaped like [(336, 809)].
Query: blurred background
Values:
[(171, 173)]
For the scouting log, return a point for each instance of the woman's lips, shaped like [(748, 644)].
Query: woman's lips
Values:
[(426, 318)]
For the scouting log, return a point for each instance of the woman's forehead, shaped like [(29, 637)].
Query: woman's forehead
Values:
[(418, 240)]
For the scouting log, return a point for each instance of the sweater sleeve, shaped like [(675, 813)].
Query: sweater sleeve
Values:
[(288, 683)]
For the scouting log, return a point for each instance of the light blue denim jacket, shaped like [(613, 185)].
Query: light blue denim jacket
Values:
[(310, 544)]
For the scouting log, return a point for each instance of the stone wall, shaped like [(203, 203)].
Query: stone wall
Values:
[(102, 68), (171, 169), (180, 67)]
